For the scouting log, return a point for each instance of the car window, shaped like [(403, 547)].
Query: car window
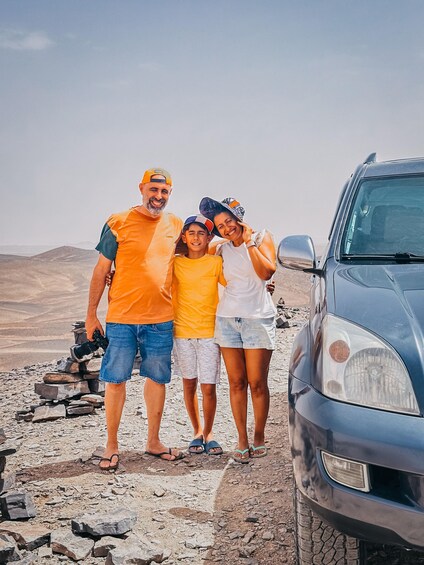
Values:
[(386, 218)]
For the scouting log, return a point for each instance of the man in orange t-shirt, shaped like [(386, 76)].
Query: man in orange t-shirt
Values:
[(141, 242)]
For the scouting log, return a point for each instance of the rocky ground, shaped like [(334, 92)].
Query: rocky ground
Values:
[(202, 509)]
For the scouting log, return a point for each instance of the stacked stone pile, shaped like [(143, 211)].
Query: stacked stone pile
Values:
[(283, 314), (72, 390)]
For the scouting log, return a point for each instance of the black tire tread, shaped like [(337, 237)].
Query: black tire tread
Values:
[(320, 544)]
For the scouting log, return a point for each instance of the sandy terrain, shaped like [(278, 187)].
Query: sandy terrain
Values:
[(41, 296)]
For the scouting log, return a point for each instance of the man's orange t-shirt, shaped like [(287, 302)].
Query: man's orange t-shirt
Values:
[(143, 250)]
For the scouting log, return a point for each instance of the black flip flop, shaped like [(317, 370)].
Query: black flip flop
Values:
[(168, 452), (111, 467)]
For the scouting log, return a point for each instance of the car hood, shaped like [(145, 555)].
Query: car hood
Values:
[(386, 299)]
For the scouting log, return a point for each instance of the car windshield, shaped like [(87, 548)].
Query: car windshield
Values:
[(386, 218)]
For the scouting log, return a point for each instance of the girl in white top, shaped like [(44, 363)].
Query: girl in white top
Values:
[(245, 322)]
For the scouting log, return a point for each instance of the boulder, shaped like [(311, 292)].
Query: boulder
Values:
[(114, 523), (65, 542), (15, 505)]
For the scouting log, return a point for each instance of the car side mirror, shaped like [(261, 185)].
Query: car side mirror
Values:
[(297, 252)]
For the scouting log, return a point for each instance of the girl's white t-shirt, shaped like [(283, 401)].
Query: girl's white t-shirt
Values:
[(245, 295)]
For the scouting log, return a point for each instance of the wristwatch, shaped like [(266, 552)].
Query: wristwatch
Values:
[(251, 243)]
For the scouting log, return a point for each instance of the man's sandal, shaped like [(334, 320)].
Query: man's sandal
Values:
[(160, 455), (111, 466)]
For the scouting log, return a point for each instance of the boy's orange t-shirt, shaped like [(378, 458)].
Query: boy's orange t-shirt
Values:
[(143, 249), (195, 295)]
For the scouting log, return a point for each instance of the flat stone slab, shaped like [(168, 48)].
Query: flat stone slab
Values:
[(79, 410), (94, 399), (66, 543), (140, 552), (61, 391), (27, 535), (15, 505), (2, 436), (114, 523), (62, 378), (49, 412)]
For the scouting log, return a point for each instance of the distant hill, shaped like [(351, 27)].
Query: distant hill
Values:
[(4, 258), (67, 254)]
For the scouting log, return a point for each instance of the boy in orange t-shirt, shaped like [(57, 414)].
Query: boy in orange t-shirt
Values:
[(197, 356)]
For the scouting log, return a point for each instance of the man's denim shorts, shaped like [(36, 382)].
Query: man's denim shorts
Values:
[(245, 333), (154, 341)]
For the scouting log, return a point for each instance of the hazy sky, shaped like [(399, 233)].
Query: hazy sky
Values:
[(272, 102)]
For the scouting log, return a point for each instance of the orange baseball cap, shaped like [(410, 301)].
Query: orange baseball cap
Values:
[(147, 177)]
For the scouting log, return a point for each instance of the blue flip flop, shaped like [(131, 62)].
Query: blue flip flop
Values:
[(196, 446), (209, 445)]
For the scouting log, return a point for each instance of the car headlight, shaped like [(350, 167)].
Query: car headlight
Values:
[(359, 368)]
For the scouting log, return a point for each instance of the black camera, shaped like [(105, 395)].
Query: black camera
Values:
[(84, 351)]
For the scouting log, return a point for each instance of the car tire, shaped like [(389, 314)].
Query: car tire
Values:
[(317, 543)]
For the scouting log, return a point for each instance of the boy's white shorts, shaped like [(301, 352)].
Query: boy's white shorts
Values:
[(197, 359)]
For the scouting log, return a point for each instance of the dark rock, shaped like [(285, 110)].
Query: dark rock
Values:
[(15, 505), (8, 448), (281, 322), (96, 386), (116, 523), (2, 436), (2, 463)]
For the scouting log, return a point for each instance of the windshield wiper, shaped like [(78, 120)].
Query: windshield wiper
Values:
[(401, 257)]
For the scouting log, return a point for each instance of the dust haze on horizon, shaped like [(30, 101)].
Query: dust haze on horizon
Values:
[(273, 102)]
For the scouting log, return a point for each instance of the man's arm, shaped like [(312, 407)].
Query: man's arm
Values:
[(97, 286)]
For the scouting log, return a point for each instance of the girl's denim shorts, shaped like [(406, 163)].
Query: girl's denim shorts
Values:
[(245, 333)]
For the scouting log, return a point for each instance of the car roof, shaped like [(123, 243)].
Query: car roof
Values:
[(396, 167)]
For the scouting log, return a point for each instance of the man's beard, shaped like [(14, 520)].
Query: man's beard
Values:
[(153, 209)]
